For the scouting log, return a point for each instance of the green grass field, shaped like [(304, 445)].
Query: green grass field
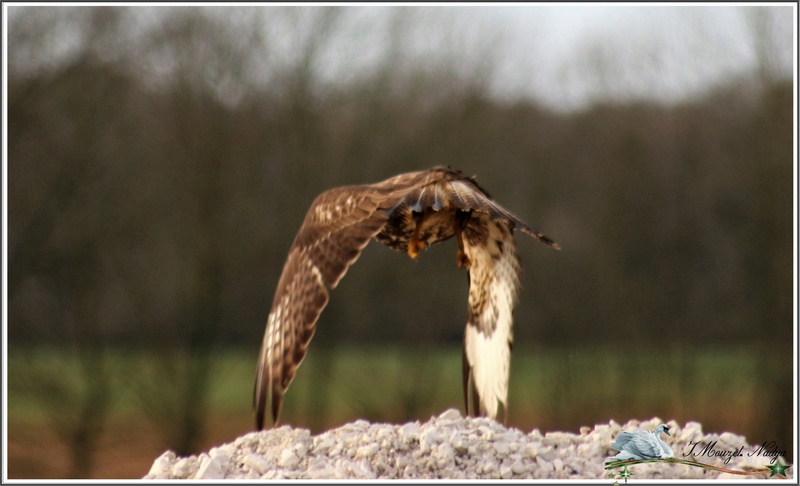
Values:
[(746, 390)]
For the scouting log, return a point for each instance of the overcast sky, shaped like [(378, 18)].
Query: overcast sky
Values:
[(561, 55), (651, 51), (566, 55)]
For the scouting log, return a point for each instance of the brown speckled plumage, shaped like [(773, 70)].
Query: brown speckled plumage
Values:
[(437, 204)]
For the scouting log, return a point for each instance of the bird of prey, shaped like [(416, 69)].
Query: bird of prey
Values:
[(642, 444), (407, 213)]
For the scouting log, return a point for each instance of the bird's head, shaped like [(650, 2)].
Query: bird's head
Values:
[(662, 428)]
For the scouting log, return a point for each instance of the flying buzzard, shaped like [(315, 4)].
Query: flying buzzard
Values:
[(406, 212)]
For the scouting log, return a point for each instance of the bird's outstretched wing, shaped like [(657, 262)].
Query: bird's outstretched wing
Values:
[(443, 192), (467, 195), (338, 225), (494, 274), (406, 212)]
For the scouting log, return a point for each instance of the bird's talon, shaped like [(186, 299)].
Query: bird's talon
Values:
[(462, 260), (414, 246)]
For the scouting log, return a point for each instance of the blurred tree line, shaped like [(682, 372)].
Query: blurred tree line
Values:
[(161, 160)]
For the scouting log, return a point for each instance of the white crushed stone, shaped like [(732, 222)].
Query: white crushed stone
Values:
[(449, 446)]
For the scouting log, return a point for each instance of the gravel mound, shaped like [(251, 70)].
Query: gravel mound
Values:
[(449, 446)]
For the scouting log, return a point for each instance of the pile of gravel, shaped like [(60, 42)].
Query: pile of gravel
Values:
[(449, 446)]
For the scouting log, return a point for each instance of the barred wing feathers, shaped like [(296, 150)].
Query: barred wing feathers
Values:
[(427, 206), (337, 227)]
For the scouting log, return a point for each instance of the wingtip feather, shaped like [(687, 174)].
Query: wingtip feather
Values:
[(277, 401), (544, 239)]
